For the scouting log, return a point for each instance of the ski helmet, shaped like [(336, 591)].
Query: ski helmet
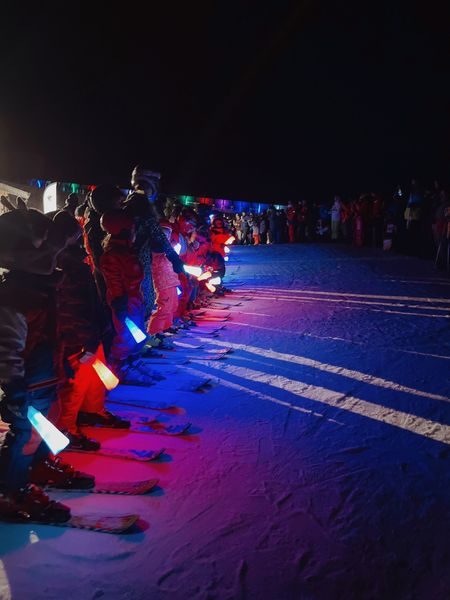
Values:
[(105, 198), (145, 179)]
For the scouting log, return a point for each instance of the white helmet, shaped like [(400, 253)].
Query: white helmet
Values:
[(146, 180)]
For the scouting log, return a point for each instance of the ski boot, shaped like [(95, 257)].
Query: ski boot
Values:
[(165, 342), (181, 323), (79, 441), (30, 503), (138, 373), (102, 419), (54, 473)]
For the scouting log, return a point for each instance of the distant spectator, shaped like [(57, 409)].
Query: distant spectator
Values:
[(335, 218), (412, 216)]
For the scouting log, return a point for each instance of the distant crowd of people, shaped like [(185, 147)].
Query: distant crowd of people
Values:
[(415, 222)]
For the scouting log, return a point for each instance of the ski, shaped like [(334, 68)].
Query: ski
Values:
[(158, 428), (190, 385), (212, 318), (126, 454), (202, 331), (214, 314), (210, 356), (184, 346), (101, 523), (226, 304), (218, 306), (136, 488), (144, 405), (167, 360), (206, 352)]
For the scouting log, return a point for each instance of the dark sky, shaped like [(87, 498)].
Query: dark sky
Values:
[(247, 100)]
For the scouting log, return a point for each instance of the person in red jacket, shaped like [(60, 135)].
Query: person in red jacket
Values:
[(291, 214), (219, 236), (81, 396), (123, 274)]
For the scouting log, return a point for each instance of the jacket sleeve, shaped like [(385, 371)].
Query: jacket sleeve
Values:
[(160, 244), (13, 335)]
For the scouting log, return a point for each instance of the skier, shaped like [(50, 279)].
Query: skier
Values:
[(291, 215), (165, 281), (335, 218), (81, 397), (219, 235), (255, 230), (149, 235), (27, 375), (71, 203), (123, 274)]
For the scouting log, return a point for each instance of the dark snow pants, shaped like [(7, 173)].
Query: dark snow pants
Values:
[(23, 446)]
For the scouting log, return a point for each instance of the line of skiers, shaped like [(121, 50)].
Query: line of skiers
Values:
[(69, 286)]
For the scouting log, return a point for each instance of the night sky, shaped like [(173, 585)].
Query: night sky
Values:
[(253, 100)]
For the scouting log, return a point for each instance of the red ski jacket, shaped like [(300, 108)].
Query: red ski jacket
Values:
[(122, 271)]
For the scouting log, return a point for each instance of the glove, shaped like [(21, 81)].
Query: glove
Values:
[(120, 307), (87, 358), (15, 401)]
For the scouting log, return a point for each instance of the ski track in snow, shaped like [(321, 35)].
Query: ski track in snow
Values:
[(317, 465)]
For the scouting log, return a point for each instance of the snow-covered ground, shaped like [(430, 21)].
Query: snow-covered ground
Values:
[(317, 468)]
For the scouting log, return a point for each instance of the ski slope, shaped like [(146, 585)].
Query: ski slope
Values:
[(317, 465)]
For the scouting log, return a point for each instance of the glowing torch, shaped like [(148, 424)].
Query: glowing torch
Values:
[(210, 287), (230, 240), (51, 435), (204, 276), (106, 376), (138, 335), (215, 281)]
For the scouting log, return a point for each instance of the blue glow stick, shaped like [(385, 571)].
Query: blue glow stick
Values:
[(138, 334), (54, 438)]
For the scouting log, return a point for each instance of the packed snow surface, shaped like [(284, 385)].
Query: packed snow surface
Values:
[(317, 466)]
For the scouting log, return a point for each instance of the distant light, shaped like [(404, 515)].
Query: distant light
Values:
[(50, 197), (107, 377), (195, 271), (54, 439), (226, 258), (177, 248), (227, 250), (138, 334), (179, 292), (215, 281), (230, 240)]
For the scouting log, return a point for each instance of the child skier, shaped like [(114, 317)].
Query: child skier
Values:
[(219, 236), (82, 395), (123, 274), (165, 282)]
